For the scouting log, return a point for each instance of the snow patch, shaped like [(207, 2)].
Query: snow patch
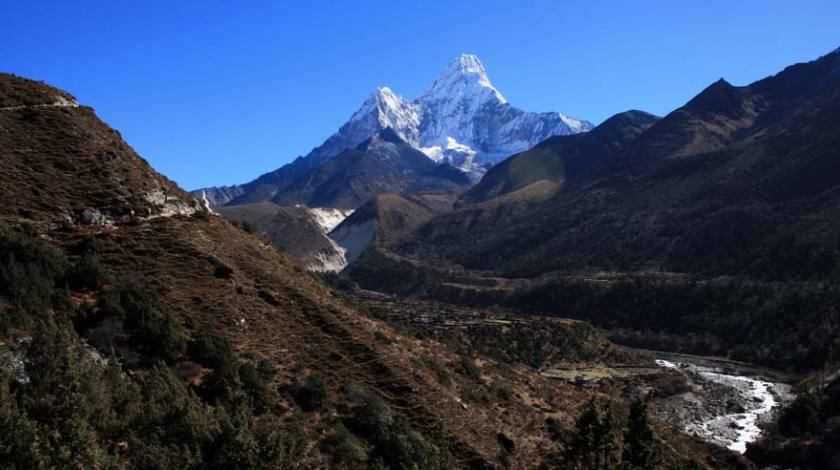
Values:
[(328, 217), (330, 262), (461, 156), (354, 238)]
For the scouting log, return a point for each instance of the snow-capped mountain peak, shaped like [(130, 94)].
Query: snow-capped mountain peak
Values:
[(461, 119), (468, 65), (465, 77), (384, 104), (384, 109)]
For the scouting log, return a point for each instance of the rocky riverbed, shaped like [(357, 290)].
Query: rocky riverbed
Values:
[(722, 407)]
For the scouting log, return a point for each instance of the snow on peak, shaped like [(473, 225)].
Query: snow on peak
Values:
[(461, 119), (385, 94), (381, 100), (384, 109), (464, 77), (575, 125), (468, 63)]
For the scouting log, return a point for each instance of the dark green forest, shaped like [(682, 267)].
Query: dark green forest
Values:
[(789, 326)]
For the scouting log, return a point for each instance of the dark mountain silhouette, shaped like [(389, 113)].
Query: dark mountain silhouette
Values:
[(560, 157), (383, 164)]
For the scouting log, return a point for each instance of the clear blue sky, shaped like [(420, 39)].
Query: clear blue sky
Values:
[(220, 92)]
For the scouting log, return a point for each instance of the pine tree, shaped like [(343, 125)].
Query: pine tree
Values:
[(595, 443), (640, 449), (608, 443), (19, 444)]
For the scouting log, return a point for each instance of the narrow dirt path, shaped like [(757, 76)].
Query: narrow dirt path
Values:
[(60, 103)]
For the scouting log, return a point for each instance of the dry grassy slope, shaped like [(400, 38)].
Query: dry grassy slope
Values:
[(385, 219), (59, 160), (397, 215), (297, 323)]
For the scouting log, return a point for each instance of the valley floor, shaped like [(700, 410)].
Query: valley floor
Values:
[(716, 400)]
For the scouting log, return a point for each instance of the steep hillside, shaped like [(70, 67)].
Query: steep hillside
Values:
[(141, 331), (385, 219), (558, 158), (62, 165)]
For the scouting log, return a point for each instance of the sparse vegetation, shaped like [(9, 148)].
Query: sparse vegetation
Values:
[(381, 337), (466, 366)]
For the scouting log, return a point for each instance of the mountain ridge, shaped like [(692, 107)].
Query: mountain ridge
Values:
[(695, 138), (558, 157), (733, 196), (461, 119), (382, 164)]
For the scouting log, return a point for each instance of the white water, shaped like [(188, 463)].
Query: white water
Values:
[(735, 430)]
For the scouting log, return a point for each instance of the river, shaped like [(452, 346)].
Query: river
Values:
[(723, 406)]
